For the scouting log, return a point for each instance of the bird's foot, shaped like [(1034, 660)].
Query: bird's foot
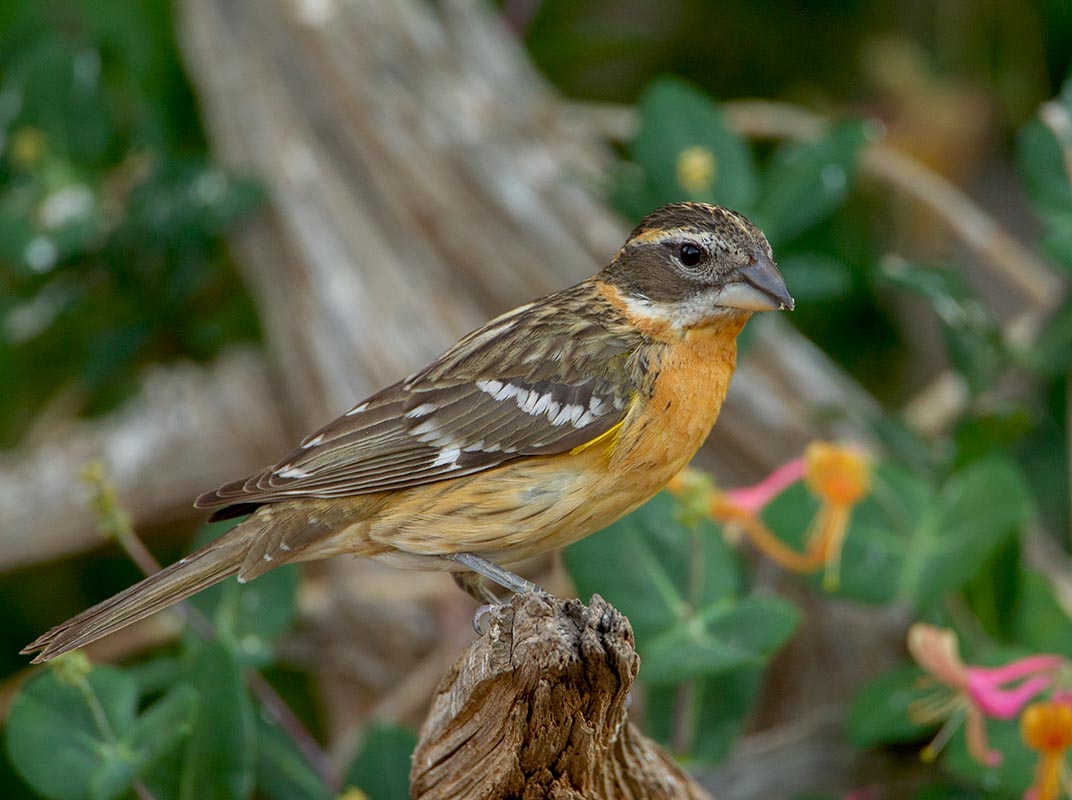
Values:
[(482, 619)]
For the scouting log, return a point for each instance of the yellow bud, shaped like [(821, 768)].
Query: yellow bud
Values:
[(353, 793), (693, 490), (28, 146), (696, 169), (688, 481), (72, 668)]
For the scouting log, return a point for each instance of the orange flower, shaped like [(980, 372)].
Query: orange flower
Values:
[(840, 476), (1047, 727)]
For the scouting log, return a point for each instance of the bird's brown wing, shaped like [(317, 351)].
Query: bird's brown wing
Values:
[(540, 380)]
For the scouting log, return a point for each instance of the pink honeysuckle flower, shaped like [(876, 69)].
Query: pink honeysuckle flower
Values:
[(987, 686), (971, 694), (753, 499)]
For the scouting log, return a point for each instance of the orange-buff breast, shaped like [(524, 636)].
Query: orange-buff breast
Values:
[(537, 504)]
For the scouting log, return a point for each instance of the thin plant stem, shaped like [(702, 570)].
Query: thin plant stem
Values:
[(104, 726)]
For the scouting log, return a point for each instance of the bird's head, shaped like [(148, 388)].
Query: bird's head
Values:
[(693, 263)]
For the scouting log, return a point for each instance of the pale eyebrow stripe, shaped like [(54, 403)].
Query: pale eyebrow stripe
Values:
[(656, 235)]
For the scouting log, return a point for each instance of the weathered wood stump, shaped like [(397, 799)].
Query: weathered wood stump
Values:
[(537, 708)]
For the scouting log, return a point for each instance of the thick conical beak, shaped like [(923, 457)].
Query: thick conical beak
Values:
[(757, 287)]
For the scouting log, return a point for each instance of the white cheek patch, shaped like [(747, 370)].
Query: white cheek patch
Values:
[(695, 310), (642, 308)]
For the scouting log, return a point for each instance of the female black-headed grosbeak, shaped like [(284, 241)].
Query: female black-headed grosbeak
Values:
[(546, 424)]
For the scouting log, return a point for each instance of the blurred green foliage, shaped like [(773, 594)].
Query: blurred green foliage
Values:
[(111, 258), (184, 723), (110, 211), (804, 50)]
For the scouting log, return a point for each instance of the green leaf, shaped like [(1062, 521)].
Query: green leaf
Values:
[(71, 739), (1016, 770), (61, 94), (972, 333), (156, 674), (645, 564), (718, 639), (1052, 353), (807, 181), (1043, 169), (678, 585), (1042, 625), (676, 118), (872, 559), (723, 705), (901, 497), (250, 617), (879, 711), (282, 771), (976, 510), (996, 430), (880, 533), (720, 708), (381, 769), (630, 194), (221, 751), (165, 723)]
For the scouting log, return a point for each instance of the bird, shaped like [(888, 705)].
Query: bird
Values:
[(544, 425)]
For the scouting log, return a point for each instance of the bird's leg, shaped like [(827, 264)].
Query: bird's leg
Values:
[(493, 572), (474, 586)]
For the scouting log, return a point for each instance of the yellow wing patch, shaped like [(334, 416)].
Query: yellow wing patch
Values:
[(610, 435), (607, 434)]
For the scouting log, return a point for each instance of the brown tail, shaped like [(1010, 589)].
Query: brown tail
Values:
[(211, 564)]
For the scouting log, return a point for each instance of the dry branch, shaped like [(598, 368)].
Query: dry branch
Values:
[(188, 430), (536, 708)]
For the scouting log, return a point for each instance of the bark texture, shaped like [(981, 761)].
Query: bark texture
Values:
[(536, 708)]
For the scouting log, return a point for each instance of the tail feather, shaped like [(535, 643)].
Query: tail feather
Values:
[(209, 565)]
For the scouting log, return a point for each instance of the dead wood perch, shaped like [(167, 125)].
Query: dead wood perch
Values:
[(537, 708)]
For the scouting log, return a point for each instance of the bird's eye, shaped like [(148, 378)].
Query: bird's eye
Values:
[(690, 255)]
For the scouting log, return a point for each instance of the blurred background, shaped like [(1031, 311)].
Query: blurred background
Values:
[(223, 222)]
